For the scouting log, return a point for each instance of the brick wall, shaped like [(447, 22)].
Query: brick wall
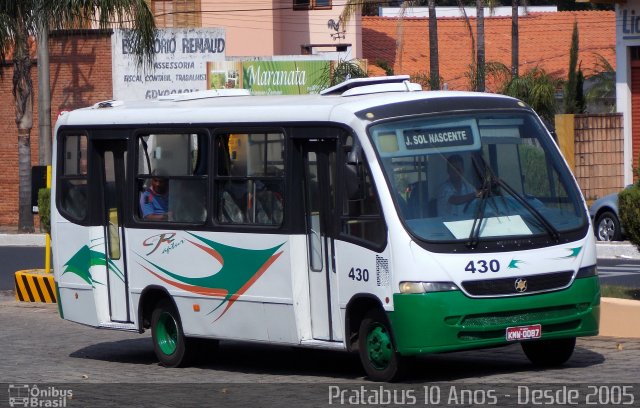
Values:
[(80, 64), (599, 165)]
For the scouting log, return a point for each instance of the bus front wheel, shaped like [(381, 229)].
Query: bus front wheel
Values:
[(379, 358), (169, 341), (549, 353)]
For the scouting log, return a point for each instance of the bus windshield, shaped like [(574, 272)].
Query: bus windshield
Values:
[(474, 177)]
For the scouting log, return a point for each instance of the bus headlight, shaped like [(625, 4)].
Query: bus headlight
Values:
[(424, 287)]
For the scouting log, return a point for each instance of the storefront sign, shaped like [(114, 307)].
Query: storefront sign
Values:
[(270, 77), (180, 63)]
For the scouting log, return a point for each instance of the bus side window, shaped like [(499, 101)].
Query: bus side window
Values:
[(74, 198), (250, 178), (178, 160), (361, 215), (72, 184)]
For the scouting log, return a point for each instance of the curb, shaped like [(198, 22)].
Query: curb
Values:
[(35, 285), (619, 317), (22, 239), (616, 250)]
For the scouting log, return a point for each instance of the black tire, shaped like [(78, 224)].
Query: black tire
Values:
[(169, 341), (377, 352), (607, 227), (549, 353)]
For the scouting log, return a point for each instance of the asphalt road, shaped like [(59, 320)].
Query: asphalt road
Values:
[(114, 368), (14, 259), (623, 272)]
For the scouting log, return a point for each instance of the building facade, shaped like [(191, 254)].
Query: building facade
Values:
[(628, 81), (268, 27)]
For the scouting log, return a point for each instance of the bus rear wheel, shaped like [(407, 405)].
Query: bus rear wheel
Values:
[(549, 353), (169, 341), (379, 358)]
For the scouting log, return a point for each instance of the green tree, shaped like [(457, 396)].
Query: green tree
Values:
[(571, 89), (629, 210), (537, 89), (581, 102), (22, 20), (345, 70), (603, 85)]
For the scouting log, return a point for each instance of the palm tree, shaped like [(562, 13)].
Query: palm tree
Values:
[(537, 89), (434, 65), (480, 52), (603, 85), (22, 20), (353, 6), (515, 39)]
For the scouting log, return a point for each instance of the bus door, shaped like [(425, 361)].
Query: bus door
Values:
[(113, 154), (320, 209)]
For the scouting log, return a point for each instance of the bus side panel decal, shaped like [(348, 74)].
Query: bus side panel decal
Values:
[(82, 261), (241, 268)]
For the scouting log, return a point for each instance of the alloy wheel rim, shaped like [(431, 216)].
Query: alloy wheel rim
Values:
[(606, 229), (379, 347), (167, 330)]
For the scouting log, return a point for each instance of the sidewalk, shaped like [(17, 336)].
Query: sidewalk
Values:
[(22, 239), (620, 249)]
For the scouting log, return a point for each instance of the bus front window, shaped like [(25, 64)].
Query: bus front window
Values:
[(477, 177)]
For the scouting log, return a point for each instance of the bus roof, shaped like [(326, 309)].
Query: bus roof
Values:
[(235, 107)]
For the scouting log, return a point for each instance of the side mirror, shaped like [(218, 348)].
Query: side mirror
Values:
[(354, 181), (354, 157)]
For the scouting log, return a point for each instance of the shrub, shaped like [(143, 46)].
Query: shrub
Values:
[(629, 211), (44, 209)]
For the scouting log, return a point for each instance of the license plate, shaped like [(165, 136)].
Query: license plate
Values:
[(524, 332)]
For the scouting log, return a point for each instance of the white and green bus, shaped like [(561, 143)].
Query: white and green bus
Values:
[(323, 221)]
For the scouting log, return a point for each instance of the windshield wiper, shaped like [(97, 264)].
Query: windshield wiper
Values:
[(551, 230), (489, 180), (485, 191)]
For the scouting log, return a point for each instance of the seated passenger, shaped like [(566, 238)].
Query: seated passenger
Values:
[(229, 212), (154, 202), (456, 193)]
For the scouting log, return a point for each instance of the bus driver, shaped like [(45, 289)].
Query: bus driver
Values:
[(456, 192), (154, 203)]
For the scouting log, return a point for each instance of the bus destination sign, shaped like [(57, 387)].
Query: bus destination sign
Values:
[(438, 137)]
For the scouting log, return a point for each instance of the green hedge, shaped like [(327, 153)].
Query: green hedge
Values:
[(44, 209), (629, 212)]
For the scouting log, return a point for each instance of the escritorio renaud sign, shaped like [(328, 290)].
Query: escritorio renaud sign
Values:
[(180, 64)]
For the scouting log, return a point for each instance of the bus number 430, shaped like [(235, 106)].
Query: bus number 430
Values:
[(359, 275), (483, 266)]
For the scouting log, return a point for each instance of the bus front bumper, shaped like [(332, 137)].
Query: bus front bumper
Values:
[(448, 321)]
